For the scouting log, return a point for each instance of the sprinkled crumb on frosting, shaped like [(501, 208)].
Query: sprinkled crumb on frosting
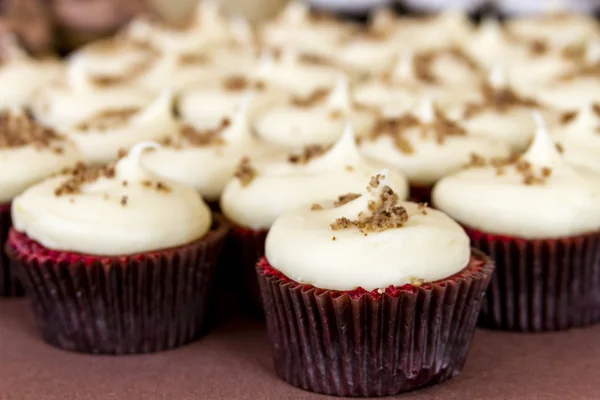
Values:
[(108, 119), (523, 167), (500, 100), (308, 153), (193, 137), (423, 63), (384, 214), (309, 101), (245, 172), (17, 130)]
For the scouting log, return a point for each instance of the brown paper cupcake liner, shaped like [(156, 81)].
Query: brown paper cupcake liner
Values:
[(541, 285), (341, 344), (119, 305), (9, 283), (244, 248)]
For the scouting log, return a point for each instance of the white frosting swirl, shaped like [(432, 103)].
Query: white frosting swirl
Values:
[(23, 166), (299, 78), (280, 185), (429, 247), (101, 139), (293, 127), (208, 168), (69, 103), (429, 159), (120, 215), (21, 77), (580, 138), (512, 123), (207, 27), (296, 29), (563, 204)]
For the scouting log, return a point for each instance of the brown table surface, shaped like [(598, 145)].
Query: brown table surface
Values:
[(233, 363)]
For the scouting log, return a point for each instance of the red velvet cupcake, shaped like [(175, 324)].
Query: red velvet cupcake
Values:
[(370, 296), (426, 145), (28, 154), (539, 218), (116, 260), (265, 188)]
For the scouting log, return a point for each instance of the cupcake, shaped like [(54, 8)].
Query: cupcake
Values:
[(579, 137), (207, 27), (398, 90), (539, 218), (266, 187), (426, 145), (296, 73), (76, 98), (318, 119), (370, 296), (555, 28), (297, 28), (578, 87), (116, 260), (447, 29), (502, 114), (21, 76), (102, 136), (205, 158), (28, 154), (114, 61)]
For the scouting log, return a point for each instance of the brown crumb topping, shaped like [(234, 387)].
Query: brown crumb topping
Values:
[(134, 71), (500, 100), (309, 153), (316, 207), (423, 63), (530, 175), (239, 83), (383, 214), (17, 130), (81, 175), (422, 208), (245, 172), (582, 71), (193, 59), (202, 138), (439, 129), (316, 97), (345, 198), (108, 119)]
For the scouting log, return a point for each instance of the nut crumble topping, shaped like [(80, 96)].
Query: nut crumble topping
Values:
[(309, 153), (384, 213), (108, 119), (314, 98), (501, 100), (245, 172), (345, 198), (17, 130), (202, 138), (423, 63), (523, 167)]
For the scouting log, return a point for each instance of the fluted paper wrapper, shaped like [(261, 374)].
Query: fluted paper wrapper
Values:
[(343, 346), (244, 248), (541, 285), (9, 283), (119, 305)]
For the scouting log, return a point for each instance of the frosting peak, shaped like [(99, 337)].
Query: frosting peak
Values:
[(542, 151), (339, 98), (130, 167), (497, 78)]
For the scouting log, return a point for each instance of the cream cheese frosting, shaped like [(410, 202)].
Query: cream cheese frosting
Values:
[(117, 60), (314, 121), (281, 184), (579, 138), (299, 77), (21, 76), (76, 98), (207, 27), (536, 196), (102, 136), (311, 246), (297, 29), (29, 153), (503, 114), (206, 158), (426, 145), (122, 209)]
